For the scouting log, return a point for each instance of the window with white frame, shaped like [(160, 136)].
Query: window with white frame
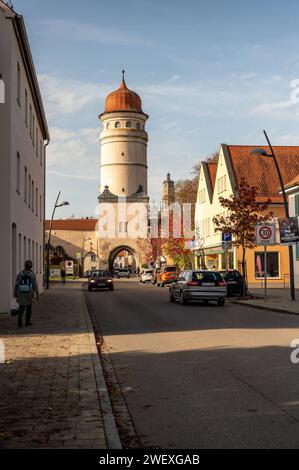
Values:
[(221, 184)]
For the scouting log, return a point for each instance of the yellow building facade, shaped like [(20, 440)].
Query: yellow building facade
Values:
[(221, 178)]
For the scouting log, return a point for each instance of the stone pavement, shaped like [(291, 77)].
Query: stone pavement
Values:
[(52, 389), (277, 300)]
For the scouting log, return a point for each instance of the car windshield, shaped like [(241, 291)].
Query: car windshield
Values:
[(170, 269), (149, 271), (100, 274), (206, 276)]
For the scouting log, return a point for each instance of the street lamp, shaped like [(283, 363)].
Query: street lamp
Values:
[(85, 239), (263, 153), (64, 203)]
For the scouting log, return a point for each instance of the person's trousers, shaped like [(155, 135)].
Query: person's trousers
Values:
[(22, 309)]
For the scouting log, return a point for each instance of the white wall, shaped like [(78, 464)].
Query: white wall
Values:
[(18, 219)]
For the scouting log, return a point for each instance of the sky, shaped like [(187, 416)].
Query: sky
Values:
[(208, 72)]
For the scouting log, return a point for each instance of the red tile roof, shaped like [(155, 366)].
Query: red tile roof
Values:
[(294, 182), (261, 172), (212, 169), (83, 225)]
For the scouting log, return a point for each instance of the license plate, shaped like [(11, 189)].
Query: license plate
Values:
[(101, 284), (231, 282), (208, 284)]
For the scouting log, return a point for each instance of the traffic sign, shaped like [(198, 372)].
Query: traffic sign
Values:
[(226, 241), (265, 234)]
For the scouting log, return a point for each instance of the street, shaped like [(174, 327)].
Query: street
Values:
[(201, 376)]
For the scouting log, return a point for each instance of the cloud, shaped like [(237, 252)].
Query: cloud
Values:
[(65, 96), (74, 154), (87, 32)]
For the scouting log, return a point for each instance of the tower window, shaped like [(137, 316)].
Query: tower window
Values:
[(128, 124), (138, 125), (117, 125), (108, 125)]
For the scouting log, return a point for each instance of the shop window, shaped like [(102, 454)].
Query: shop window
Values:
[(272, 264)]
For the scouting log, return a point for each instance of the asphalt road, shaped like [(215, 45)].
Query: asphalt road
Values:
[(200, 376)]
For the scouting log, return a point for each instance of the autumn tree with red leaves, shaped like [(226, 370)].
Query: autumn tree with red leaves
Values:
[(243, 213)]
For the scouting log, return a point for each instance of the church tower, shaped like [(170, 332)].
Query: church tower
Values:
[(123, 147), (168, 191)]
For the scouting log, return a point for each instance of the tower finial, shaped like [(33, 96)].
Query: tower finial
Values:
[(123, 72)]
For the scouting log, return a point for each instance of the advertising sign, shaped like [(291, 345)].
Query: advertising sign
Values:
[(265, 234), (289, 230)]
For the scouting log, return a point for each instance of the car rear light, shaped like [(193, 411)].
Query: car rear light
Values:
[(221, 283), (192, 283)]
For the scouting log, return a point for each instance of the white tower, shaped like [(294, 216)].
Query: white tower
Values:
[(123, 146)]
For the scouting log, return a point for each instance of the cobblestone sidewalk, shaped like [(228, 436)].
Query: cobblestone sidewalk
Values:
[(52, 391), (277, 300)]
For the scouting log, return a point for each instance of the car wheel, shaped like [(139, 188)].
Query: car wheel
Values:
[(157, 284), (111, 288), (182, 299), (171, 298), (162, 285), (221, 301), (89, 288)]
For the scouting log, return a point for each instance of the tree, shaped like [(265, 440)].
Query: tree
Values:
[(244, 211)]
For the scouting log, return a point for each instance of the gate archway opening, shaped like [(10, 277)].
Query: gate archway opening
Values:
[(123, 257)]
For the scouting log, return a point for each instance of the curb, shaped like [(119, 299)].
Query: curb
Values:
[(111, 431), (262, 307)]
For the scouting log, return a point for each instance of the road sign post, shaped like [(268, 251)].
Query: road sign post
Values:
[(226, 245), (265, 236)]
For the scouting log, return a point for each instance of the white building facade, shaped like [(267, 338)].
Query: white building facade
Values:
[(23, 137)]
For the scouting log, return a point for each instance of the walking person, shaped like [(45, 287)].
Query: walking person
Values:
[(25, 289), (62, 274)]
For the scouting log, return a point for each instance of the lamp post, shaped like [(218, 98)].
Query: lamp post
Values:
[(262, 152), (49, 238), (85, 239)]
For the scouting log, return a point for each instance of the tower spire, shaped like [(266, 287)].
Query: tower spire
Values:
[(123, 72)]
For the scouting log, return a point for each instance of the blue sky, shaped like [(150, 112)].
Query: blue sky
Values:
[(207, 72)]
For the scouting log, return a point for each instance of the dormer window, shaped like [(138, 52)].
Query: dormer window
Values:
[(137, 125), (108, 125), (128, 124), (117, 125)]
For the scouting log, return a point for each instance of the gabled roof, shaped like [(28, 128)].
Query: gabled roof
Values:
[(84, 225), (293, 183), (212, 169), (261, 172)]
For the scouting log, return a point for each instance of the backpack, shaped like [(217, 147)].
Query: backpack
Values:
[(25, 283)]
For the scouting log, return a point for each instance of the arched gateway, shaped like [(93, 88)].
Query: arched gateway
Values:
[(132, 262)]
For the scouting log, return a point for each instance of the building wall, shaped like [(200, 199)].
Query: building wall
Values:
[(123, 153), (293, 213), (206, 210), (22, 232)]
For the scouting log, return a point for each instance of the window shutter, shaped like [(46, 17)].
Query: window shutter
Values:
[(297, 204)]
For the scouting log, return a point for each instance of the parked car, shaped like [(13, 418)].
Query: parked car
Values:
[(100, 279), (146, 275), (154, 275), (234, 281), (123, 273), (167, 275), (198, 285)]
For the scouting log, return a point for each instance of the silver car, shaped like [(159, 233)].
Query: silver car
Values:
[(198, 285)]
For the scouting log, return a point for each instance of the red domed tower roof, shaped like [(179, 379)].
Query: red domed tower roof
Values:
[(123, 99)]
